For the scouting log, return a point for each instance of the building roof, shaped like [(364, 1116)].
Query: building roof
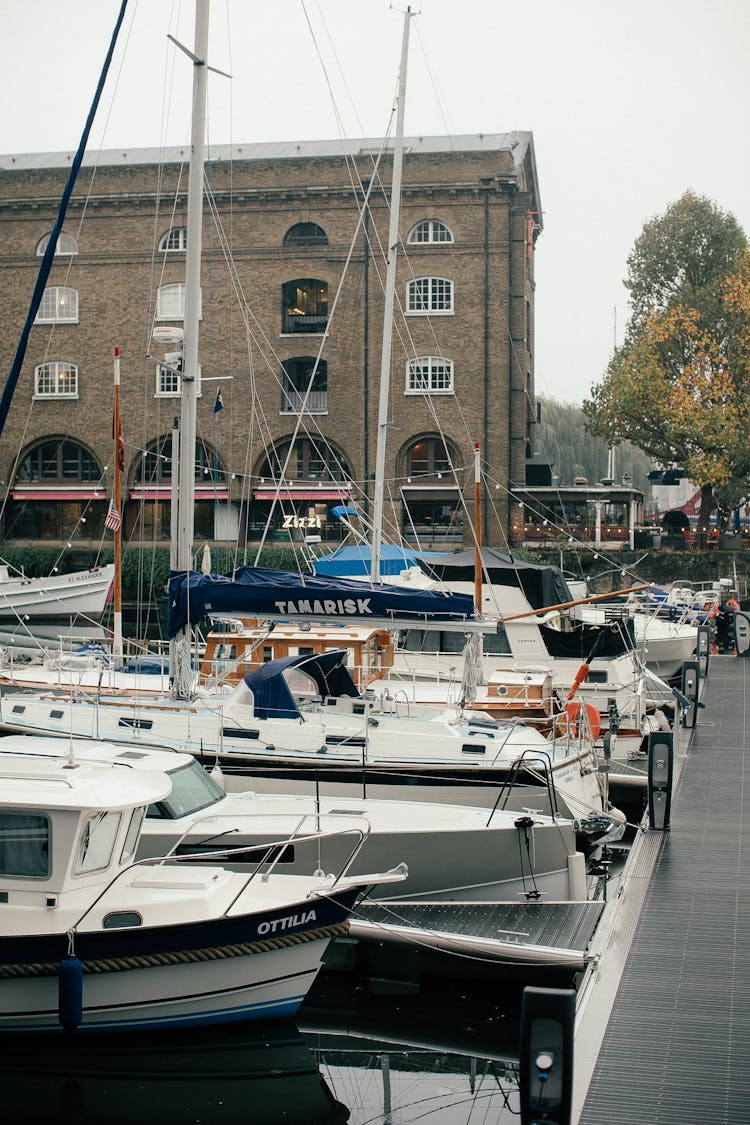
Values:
[(517, 142)]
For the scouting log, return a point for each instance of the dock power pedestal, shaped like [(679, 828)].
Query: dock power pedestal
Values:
[(546, 1055)]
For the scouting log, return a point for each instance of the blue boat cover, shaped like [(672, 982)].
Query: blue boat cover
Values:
[(357, 559), (257, 592), (272, 697)]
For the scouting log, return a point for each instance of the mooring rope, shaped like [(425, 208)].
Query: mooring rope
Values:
[(183, 957)]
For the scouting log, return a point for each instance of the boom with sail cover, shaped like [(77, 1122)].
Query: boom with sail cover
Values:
[(259, 592)]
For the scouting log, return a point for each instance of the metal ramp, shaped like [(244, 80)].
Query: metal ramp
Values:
[(545, 934), (677, 1044)]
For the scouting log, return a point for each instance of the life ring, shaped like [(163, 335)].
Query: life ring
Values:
[(573, 711), (732, 603)]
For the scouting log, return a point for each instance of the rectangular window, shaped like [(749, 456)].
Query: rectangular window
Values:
[(429, 375), (24, 845), (56, 380), (430, 295), (59, 305), (169, 381)]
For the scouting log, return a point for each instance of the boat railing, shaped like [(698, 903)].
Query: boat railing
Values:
[(536, 763), (360, 834)]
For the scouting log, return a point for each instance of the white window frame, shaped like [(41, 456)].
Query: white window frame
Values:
[(172, 380), (66, 245), (55, 374), (59, 305), (173, 296), (176, 235), (429, 375), (429, 296), (436, 231)]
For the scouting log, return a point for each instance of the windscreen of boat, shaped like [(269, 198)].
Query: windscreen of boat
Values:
[(193, 789)]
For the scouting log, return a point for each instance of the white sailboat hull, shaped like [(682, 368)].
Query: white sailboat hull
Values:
[(82, 592)]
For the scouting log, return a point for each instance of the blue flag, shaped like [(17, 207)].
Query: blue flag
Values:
[(219, 404)]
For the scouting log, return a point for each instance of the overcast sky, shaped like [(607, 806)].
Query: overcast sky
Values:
[(631, 102)]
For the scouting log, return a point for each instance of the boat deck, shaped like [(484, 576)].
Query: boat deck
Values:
[(677, 1042)]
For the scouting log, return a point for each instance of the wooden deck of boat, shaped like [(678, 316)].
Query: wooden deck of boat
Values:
[(676, 1047)]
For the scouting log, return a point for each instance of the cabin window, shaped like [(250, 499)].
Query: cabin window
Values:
[(169, 380), (59, 305), (56, 380), (24, 845), (429, 375), (131, 838), (66, 244), (97, 841), (430, 295), (121, 919), (174, 239), (429, 230), (193, 789)]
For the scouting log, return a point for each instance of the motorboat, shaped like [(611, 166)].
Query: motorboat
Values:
[(93, 939), (452, 853)]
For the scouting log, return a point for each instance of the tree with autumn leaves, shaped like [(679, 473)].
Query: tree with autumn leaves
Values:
[(679, 386)]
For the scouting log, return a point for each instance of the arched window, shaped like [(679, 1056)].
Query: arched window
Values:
[(59, 460), (174, 239), (66, 244), (155, 466), (170, 302), (430, 456), (295, 380), (430, 295), (429, 230), (59, 305), (311, 460), (305, 234), (432, 499), (304, 305), (429, 375), (56, 379)]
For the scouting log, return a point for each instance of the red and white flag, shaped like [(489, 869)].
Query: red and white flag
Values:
[(113, 519)]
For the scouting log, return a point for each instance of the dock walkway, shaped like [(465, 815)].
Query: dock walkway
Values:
[(676, 1050)]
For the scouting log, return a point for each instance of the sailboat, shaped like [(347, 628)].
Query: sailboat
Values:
[(58, 597), (302, 724)]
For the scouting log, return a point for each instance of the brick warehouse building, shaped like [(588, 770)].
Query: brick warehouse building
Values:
[(280, 233)]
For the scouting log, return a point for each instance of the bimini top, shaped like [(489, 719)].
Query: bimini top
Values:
[(272, 695)]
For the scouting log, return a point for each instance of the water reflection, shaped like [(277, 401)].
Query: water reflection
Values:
[(359, 1052)]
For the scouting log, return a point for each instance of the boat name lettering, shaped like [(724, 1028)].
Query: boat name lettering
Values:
[(286, 923), (329, 606)]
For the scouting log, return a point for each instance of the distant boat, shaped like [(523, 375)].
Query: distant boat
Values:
[(59, 596)]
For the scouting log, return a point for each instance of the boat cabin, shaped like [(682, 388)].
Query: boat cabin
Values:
[(67, 826), (240, 646)]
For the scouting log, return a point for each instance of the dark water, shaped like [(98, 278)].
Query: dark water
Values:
[(358, 1052)]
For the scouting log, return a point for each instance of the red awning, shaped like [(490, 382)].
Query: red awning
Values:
[(59, 494), (301, 494), (204, 493)]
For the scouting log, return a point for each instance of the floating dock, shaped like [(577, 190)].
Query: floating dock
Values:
[(663, 1025)]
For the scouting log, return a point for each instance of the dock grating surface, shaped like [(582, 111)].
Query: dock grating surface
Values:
[(677, 1045)]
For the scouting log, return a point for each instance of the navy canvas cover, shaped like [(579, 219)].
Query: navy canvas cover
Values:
[(272, 697), (258, 592)]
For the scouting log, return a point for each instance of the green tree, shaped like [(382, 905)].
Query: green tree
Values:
[(679, 386)]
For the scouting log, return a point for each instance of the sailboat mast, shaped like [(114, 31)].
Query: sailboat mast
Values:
[(181, 655), (116, 432), (390, 291), (478, 531)]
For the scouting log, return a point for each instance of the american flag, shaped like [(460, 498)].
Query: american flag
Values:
[(113, 520)]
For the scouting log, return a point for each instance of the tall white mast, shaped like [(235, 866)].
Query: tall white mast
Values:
[(180, 654), (390, 291)]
